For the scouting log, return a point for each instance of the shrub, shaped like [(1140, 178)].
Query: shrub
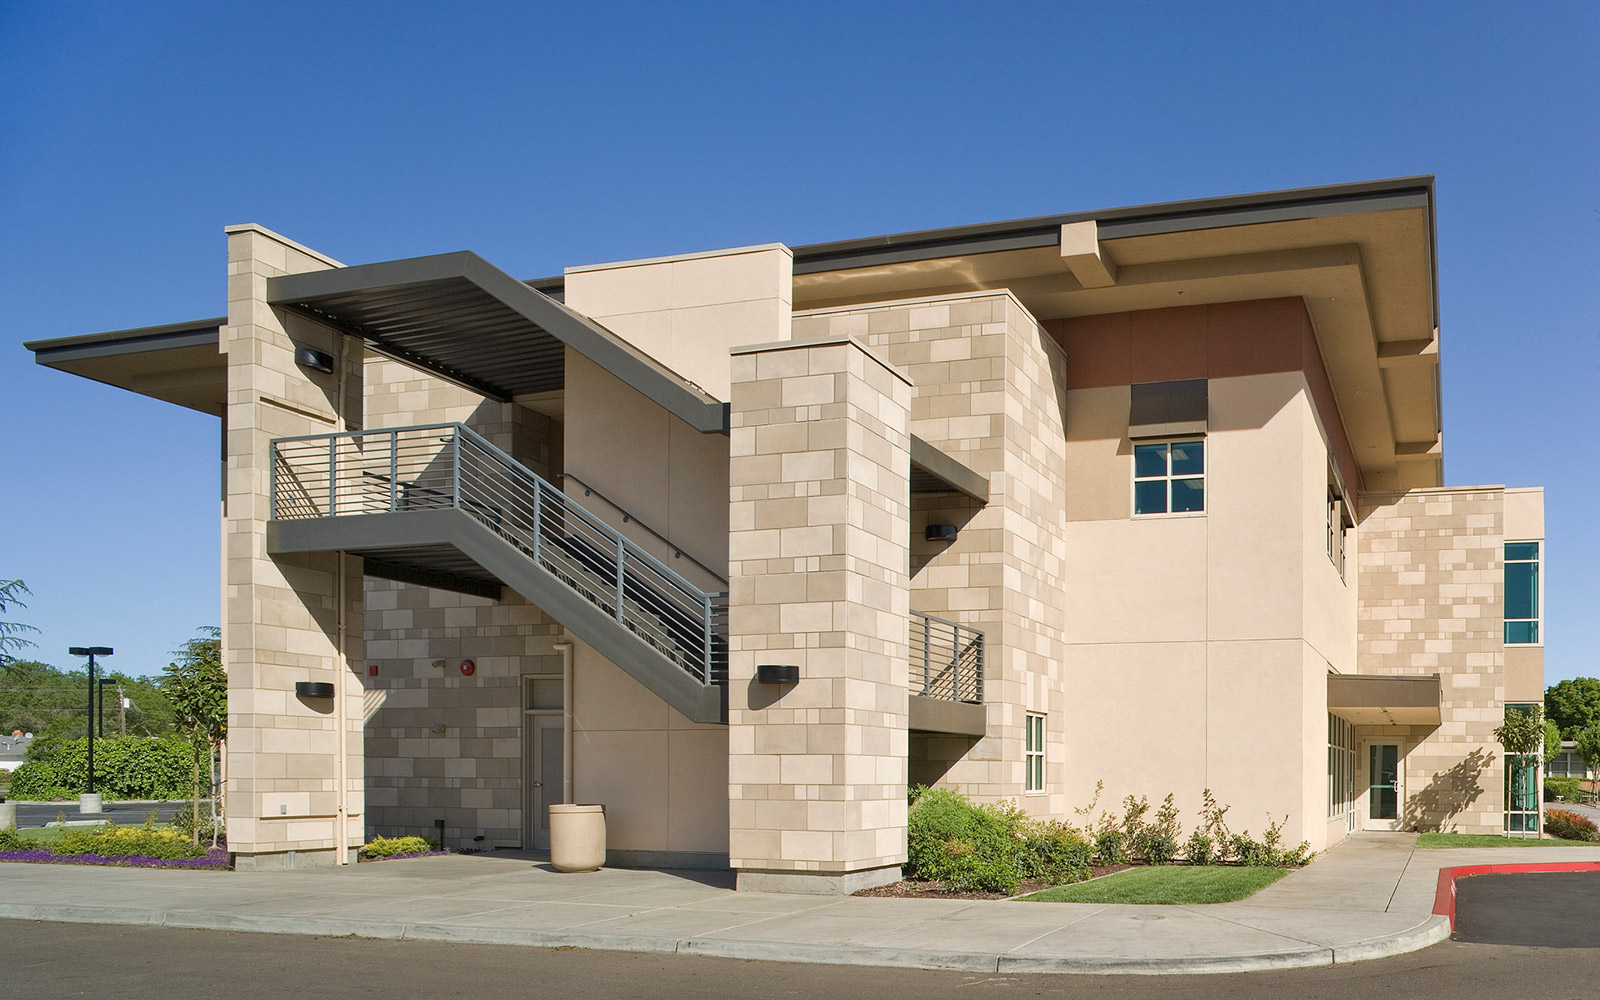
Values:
[(388, 847), (11, 840), (183, 822), (1570, 826), (1157, 841), (1110, 848), (125, 767), (965, 847), (113, 841), (1566, 789), (1056, 852), (1269, 851), (1199, 849)]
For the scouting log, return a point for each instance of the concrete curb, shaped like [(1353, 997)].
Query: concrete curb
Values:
[(1431, 931)]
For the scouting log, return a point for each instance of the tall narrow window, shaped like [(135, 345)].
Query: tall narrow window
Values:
[(1522, 592), (1169, 477), (1033, 759), (1522, 781)]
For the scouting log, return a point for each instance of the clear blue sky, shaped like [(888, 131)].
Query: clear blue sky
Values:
[(545, 135)]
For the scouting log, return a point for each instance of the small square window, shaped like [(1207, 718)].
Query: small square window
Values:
[(1169, 478)]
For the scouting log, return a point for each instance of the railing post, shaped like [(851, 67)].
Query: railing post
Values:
[(272, 484), (705, 656), (394, 470), (927, 635), (538, 514), (333, 474), (621, 562), (455, 491)]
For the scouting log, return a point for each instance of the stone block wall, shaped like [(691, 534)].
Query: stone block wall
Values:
[(819, 503), (989, 389), (294, 790), (1431, 601)]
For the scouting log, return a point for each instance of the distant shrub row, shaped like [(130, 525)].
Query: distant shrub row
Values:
[(125, 767)]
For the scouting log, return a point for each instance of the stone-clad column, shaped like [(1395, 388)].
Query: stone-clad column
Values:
[(282, 615), (819, 513)]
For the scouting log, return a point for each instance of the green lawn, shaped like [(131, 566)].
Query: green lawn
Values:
[(1490, 840), (41, 834), (1165, 884)]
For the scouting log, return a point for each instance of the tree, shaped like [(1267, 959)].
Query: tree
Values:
[(49, 703), (1522, 736), (11, 632), (1588, 747), (1573, 705), (197, 686), (1552, 739)]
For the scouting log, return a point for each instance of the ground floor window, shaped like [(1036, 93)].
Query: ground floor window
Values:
[(1034, 757), (1566, 764), (1341, 767), (1522, 784)]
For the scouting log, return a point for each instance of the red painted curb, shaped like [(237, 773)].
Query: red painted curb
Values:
[(1444, 899)]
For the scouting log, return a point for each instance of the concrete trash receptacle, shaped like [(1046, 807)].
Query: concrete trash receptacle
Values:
[(577, 837), (8, 814)]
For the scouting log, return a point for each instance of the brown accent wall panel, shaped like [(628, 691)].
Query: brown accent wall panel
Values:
[(1223, 340)]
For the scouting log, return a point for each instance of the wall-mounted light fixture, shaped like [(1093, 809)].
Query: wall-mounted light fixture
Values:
[(310, 357), (437, 729), (777, 673), (940, 533), (438, 664), (313, 689)]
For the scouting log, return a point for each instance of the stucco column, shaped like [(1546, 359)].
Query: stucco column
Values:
[(819, 513), (294, 787)]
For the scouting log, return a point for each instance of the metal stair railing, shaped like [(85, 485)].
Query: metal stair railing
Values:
[(946, 659), (440, 466)]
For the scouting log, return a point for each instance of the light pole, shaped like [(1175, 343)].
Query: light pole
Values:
[(89, 802)]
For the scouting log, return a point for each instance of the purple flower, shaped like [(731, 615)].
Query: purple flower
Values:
[(215, 859)]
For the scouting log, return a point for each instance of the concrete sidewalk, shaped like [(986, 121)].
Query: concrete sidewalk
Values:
[(1370, 897)]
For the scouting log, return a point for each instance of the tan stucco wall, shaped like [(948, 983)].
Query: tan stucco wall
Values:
[(283, 619), (687, 311), (664, 472), (1216, 631)]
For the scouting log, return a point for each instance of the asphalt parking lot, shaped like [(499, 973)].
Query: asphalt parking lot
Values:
[(1538, 909)]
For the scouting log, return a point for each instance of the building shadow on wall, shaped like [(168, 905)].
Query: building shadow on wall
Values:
[(1448, 794)]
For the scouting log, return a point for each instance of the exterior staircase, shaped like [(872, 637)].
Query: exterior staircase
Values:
[(440, 504)]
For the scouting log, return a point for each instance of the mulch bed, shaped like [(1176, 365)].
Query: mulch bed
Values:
[(913, 889)]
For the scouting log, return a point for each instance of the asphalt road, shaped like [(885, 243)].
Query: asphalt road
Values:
[(46, 960), (1551, 909), (121, 813)]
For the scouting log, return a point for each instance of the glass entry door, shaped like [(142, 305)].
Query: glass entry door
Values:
[(1383, 786)]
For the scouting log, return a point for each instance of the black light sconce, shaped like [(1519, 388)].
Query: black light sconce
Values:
[(777, 673), (313, 689), (310, 357), (940, 533)]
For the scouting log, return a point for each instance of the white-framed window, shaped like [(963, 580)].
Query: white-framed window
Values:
[(1341, 767), (1522, 781), (1524, 595), (1169, 477), (1033, 756)]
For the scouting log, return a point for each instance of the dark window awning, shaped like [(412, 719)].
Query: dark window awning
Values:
[(461, 318), (1385, 700)]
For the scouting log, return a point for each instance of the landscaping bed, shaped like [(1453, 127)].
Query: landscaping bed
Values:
[(124, 846)]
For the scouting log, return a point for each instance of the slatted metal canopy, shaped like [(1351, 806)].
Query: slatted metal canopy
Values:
[(465, 320)]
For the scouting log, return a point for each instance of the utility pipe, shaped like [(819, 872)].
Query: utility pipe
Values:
[(565, 649), (341, 829)]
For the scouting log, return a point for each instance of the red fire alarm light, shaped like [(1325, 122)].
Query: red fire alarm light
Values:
[(468, 668)]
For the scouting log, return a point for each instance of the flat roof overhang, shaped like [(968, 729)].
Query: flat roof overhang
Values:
[(1385, 700), (179, 363), (1361, 256)]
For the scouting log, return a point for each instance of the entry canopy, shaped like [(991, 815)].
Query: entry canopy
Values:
[(1385, 700)]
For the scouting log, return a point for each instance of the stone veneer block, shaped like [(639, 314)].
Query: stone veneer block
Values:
[(820, 466)]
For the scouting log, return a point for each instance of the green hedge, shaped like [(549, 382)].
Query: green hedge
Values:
[(125, 767), (970, 847)]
